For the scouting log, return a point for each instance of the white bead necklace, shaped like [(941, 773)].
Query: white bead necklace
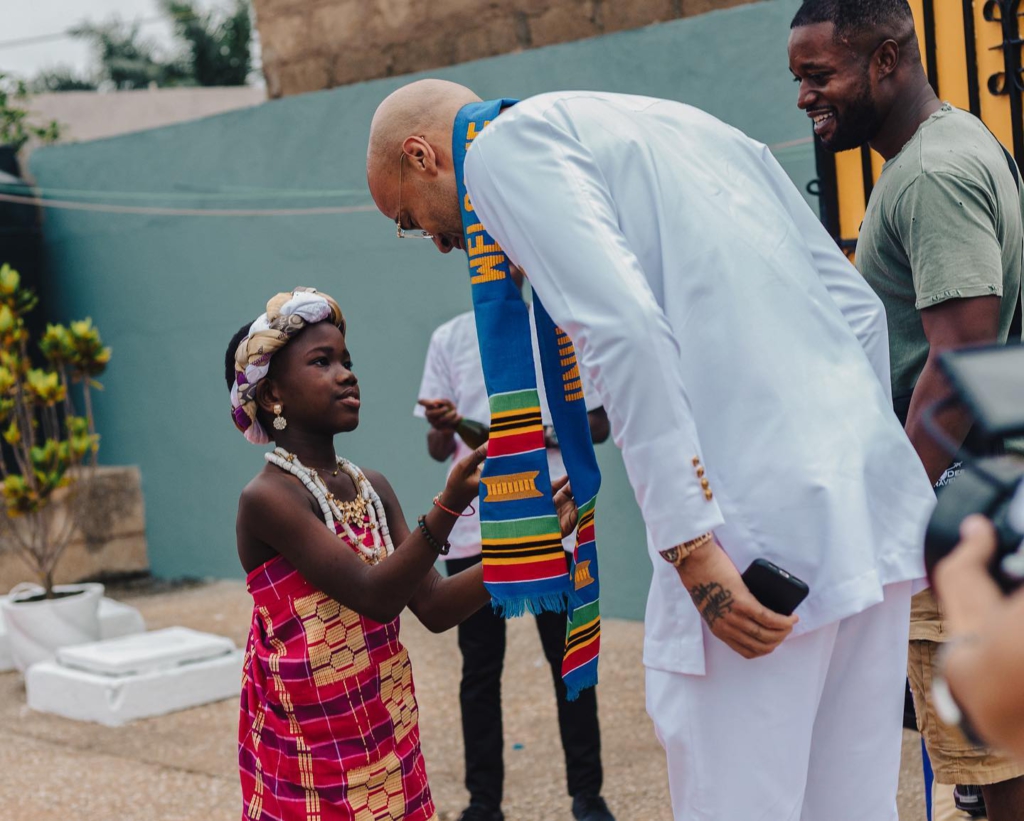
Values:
[(367, 506)]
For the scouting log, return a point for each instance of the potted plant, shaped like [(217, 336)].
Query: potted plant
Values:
[(48, 456)]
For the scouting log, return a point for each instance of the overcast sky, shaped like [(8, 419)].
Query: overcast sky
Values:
[(24, 19)]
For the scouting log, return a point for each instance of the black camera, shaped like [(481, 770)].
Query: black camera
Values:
[(989, 382)]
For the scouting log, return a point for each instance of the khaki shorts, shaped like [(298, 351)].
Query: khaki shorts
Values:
[(954, 759)]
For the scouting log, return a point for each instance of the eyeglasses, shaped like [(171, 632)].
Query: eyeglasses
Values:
[(399, 230)]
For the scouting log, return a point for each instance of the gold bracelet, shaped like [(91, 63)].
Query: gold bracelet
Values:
[(675, 556)]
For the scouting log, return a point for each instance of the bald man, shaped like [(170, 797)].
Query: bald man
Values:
[(744, 366)]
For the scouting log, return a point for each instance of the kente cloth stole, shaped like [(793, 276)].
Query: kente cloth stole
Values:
[(524, 563)]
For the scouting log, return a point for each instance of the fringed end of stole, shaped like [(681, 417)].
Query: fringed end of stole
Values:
[(513, 608), (579, 680)]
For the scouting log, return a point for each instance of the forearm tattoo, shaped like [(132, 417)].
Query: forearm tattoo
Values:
[(713, 601)]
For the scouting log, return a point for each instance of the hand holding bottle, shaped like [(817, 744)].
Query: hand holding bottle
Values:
[(441, 413)]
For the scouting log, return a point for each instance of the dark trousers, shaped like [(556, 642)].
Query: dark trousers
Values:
[(482, 643)]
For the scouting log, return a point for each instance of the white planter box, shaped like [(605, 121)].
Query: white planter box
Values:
[(150, 652), (116, 619), (36, 629), (146, 675)]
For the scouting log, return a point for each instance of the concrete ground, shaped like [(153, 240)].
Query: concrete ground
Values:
[(182, 767)]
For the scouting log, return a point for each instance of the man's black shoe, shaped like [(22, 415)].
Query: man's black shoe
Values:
[(477, 812), (590, 808)]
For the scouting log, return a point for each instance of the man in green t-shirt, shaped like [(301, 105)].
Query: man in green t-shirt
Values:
[(941, 244)]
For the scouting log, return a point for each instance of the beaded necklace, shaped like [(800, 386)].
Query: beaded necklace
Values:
[(365, 508)]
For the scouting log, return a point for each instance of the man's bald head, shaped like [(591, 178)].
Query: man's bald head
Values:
[(411, 132), (426, 108)]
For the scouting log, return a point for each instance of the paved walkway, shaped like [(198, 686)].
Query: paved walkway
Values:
[(182, 767)]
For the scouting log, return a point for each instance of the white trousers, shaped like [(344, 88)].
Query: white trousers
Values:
[(811, 732)]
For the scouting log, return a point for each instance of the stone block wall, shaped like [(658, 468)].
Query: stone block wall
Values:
[(308, 45)]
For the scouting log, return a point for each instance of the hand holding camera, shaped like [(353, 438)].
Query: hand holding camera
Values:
[(984, 380), (974, 553), (984, 661), (963, 579)]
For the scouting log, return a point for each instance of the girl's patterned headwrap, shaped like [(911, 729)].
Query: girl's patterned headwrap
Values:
[(287, 314)]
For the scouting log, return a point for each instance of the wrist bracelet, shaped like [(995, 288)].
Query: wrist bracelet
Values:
[(442, 549), (675, 556), (448, 510)]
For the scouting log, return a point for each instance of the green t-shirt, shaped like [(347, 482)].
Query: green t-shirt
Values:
[(943, 222)]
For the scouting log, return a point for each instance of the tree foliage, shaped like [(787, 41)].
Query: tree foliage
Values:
[(60, 79), (218, 45), (15, 127), (126, 60), (48, 434), (212, 48)]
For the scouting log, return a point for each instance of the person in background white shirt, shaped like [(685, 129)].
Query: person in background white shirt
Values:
[(453, 389), (744, 366)]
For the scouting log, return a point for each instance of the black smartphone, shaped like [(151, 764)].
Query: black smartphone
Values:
[(777, 589)]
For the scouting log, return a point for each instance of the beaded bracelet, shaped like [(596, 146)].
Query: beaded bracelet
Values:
[(442, 549), (449, 511)]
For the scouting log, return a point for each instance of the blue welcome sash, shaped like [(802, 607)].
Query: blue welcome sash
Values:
[(524, 563)]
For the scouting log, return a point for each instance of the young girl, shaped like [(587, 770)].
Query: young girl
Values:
[(329, 725)]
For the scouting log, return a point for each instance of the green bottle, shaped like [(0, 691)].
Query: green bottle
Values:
[(473, 433)]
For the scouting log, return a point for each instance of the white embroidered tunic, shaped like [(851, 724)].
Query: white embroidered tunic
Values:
[(718, 320)]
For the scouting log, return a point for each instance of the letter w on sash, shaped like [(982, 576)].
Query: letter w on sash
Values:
[(485, 269)]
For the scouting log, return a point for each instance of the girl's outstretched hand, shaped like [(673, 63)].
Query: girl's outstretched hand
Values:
[(565, 504), (464, 480)]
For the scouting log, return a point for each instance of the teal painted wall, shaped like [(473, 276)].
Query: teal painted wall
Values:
[(168, 292)]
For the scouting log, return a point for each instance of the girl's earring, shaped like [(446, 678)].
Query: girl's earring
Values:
[(280, 423)]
